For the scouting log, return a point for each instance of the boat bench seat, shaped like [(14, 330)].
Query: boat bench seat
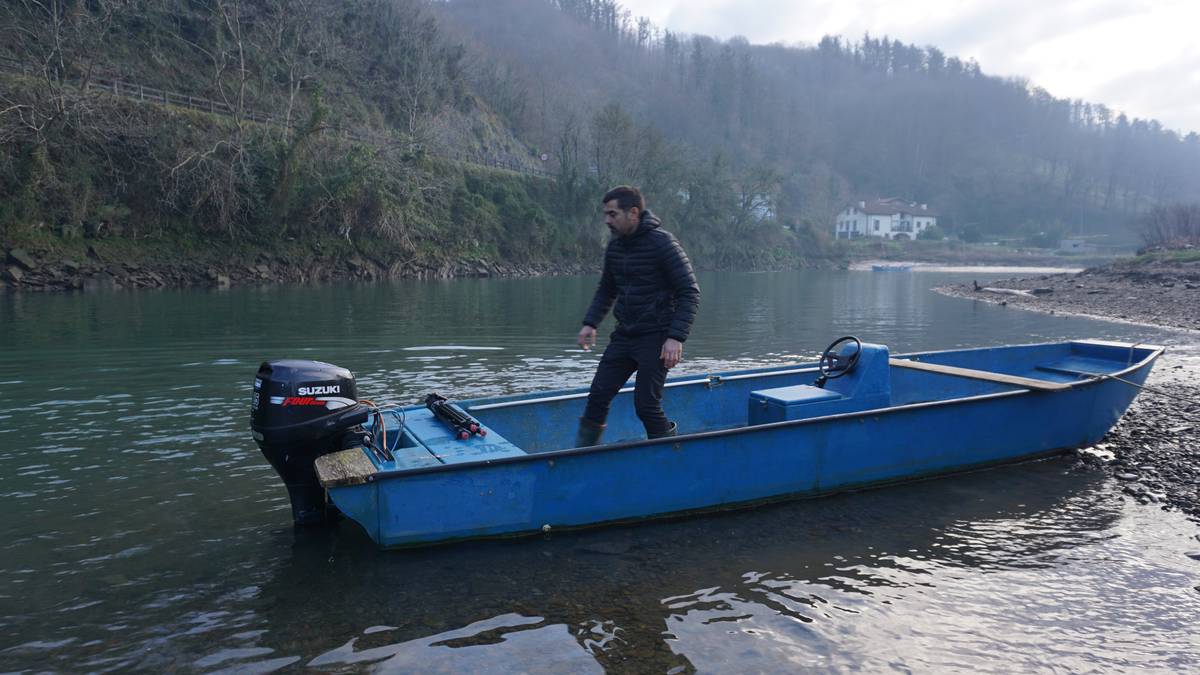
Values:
[(427, 442), (789, 403), (1074, 368), (440, 442), (795, 394)]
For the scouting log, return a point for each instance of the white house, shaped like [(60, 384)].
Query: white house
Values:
[(888, 218)]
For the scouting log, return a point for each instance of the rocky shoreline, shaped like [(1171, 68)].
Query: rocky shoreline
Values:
[(1155, 449), (1155, 293), (22, 270), (94, 268)]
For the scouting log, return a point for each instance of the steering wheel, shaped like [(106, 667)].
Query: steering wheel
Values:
[(833, 364)]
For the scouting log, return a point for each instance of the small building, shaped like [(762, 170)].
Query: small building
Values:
[(888, 218)]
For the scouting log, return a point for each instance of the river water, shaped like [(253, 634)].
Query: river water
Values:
[(145, 532)]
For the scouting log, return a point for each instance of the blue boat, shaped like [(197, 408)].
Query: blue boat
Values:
[(857, 418)]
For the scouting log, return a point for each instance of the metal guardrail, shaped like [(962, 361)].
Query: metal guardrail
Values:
[(145, 94)]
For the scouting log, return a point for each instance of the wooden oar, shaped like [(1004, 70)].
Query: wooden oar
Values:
[(1027, 382)]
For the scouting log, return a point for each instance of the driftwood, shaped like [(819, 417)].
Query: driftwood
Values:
[(1012, 291)]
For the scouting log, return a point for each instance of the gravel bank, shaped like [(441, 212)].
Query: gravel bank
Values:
[(1155, 448), (1160, 294)]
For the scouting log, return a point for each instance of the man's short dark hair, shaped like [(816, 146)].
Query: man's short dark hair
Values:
[(627, 197)]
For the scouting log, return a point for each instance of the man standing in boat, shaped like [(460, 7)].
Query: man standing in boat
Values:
[(649, 278)]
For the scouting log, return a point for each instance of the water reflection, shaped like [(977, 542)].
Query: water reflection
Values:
[(752, 590)]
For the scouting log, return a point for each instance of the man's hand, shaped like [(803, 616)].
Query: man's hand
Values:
[(587, 337), (672, 353)]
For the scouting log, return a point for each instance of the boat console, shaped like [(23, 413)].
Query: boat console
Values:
[(864, 386)]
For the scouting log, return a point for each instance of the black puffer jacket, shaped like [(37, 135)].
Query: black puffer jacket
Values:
[(650, 278)]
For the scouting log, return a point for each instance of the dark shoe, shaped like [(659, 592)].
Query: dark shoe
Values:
[(671, 431), (589, 433)]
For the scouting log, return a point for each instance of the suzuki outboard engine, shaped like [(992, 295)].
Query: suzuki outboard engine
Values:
[(300, 411)]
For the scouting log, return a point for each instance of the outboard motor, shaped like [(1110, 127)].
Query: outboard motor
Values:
[(300, 411)]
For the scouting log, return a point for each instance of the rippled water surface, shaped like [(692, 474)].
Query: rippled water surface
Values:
[(144, 531)]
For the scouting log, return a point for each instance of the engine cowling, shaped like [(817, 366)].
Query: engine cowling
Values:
[(301, 410)]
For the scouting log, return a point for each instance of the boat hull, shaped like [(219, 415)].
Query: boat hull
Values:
[(734, 467)]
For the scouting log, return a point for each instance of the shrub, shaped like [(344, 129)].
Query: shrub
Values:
[(931, 233)]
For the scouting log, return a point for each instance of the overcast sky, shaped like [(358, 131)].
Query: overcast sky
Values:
[(1141, 57)]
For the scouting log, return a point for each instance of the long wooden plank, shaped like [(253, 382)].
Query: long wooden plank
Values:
[(1027, 382), (348, 467)]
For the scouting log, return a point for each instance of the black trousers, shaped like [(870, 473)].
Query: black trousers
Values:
[(623, 356)]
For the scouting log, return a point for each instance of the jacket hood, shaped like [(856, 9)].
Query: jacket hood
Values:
[(647, 222)]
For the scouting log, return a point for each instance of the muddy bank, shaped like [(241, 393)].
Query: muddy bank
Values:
[(1155, 449), (27, 270), (1158, 293)]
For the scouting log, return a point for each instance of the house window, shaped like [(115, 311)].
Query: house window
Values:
[(876, 224)]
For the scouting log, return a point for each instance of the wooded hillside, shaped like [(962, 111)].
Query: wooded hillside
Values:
[(820, 125), (320, 119)]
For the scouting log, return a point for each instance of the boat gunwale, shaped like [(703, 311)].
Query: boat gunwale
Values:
[(1155, 352), (684, 380), (511, 400)]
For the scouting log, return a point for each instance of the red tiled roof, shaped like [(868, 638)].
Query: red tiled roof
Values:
[(889, 205)]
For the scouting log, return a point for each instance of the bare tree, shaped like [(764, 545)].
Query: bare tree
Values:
[(614, 145), (60, 41), (220, 174), (298, 42), (1171, 226), (53, 129), (756, 197)]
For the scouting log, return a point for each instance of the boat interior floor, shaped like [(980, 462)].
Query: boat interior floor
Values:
[(517, 426)]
